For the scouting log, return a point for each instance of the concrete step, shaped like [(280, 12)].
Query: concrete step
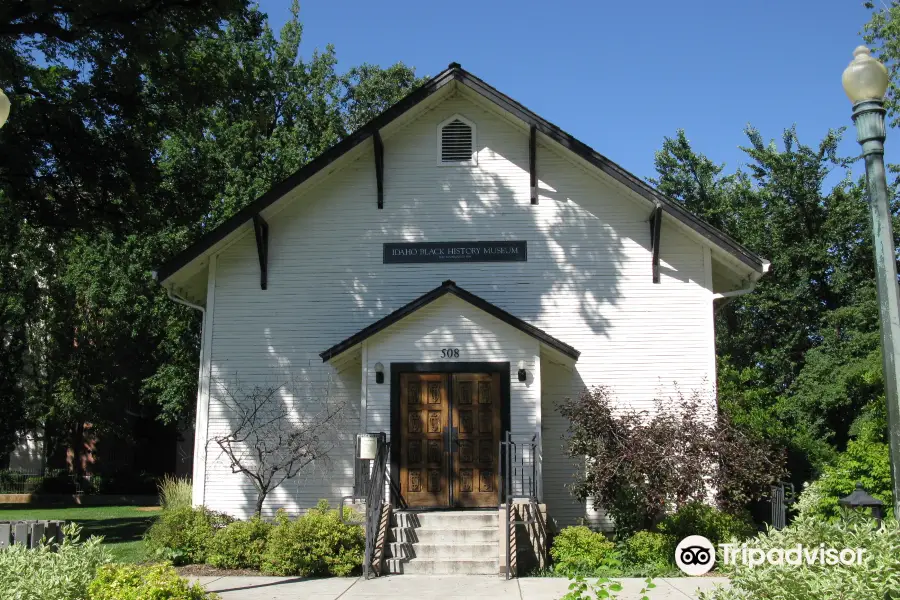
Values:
[(444, 536), (446, 520), (421, 566), (489, 551)]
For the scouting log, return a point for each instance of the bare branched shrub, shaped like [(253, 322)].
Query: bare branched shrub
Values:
[(277, 431), (639, 463)]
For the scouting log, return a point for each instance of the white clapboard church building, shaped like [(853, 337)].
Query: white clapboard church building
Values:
[(453, 269)]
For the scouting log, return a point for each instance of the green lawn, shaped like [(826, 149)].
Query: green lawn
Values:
[(122, 527)]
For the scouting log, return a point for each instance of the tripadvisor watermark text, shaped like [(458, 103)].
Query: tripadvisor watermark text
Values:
[(795, 556), (696, 555)]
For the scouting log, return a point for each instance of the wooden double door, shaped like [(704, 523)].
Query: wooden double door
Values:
[(449, 439)]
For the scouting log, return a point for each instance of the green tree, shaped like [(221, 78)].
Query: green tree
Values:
[(136, 131), (799, 358)]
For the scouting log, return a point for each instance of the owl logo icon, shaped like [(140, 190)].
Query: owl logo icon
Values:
[(695, 555)]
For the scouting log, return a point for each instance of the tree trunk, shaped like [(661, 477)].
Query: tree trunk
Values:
[(260, 498)]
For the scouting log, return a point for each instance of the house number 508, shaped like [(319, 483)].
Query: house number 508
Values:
[(450, 353)]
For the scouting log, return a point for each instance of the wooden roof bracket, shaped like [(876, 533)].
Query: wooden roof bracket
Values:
[(379, 167), (655, 226), (532, 162), (261, 231)]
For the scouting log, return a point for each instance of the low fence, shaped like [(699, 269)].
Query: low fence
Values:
[(30, 533), (55, 481), (61, 481)]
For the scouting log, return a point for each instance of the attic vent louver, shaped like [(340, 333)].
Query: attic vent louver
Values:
[(457, 142)]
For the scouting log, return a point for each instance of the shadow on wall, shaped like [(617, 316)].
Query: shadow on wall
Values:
[(305, 410), (571, 282)]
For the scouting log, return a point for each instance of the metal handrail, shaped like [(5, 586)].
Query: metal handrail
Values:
[(518, 468), (374, 500)]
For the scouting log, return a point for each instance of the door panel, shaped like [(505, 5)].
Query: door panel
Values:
[(475, 453), (424, 455)]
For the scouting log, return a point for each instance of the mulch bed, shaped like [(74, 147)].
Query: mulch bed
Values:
[(208, 571)]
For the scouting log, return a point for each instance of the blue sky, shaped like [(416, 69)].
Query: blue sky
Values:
[(622, 75)]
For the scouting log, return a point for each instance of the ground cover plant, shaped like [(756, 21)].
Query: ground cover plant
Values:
[(239, 545), (183, 535), (877, 578), (316, 543), (150, 582), (45, 573), (580, 551)]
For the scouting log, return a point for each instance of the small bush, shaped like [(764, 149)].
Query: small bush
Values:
[(315, 544), (580, 551), (650, 548), (125, 482), (45, 573), (864, 461), (174, 492), (697, 518), (183, 535), (877, 578), (58, 483), (240, 545), (133, 582)]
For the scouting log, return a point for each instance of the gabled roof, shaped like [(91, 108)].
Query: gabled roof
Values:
[(456, 73), (449, 287)]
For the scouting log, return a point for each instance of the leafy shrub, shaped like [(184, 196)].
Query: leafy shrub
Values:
[(174, 492), (57, 483), (133, 582), (650, 548), (580, 551), (697, 518), (876, 578), (315, 544), (240, 545), (124, 482), (183, 535), (45, 573), (639, 463), (15, 482), (867, 462), (604, 587)]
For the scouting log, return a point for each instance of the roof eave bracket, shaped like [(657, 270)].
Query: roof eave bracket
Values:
[(655, 227), (261, 231), (532, 162), (379, 167)]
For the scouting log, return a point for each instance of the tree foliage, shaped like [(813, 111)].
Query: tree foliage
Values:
[(799, 358), (134, 128)]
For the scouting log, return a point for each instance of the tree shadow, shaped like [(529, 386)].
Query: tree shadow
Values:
[(588, 239), (126, 529)]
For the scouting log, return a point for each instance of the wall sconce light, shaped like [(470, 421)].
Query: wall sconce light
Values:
[(379, 373), (523, 374)]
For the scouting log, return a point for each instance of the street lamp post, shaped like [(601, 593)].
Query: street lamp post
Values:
[(865, 82)]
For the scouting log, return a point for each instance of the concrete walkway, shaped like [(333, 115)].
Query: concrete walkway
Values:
[(427, 587)]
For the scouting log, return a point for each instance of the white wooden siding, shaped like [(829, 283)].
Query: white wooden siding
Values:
[(587, 281)]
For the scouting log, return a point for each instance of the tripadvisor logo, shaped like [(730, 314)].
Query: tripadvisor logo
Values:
[(696, 555)]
